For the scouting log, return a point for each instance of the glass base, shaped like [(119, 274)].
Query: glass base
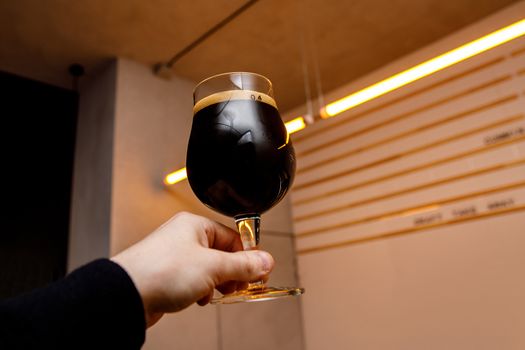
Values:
[(257, 293)]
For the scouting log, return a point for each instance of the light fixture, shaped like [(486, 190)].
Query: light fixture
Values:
[(176, 176), (295, 125), (292, 126), (426, 68)]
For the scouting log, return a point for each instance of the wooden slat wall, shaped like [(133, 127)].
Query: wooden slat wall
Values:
[(443, 150), (409, 210)]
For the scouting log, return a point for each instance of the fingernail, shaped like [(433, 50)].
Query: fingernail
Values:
[(266, 260)]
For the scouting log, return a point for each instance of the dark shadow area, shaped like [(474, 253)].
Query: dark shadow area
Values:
[(37, 143)]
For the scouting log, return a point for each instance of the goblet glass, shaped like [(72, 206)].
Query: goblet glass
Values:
[(240, 160)]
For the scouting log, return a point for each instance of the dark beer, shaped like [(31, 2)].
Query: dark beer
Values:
[(240, 160)]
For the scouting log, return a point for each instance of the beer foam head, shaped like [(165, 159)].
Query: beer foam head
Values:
[(230, 95)]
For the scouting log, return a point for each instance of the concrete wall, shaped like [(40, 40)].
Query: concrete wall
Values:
[(152, 120), (91, 198)]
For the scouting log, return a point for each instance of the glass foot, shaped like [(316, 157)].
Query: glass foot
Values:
[(257, 293)]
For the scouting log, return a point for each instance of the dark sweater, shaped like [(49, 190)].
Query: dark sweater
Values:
[(95, 307)]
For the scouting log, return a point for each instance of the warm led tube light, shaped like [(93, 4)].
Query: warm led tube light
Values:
[(426, 68), (295, 125), (176, 176)]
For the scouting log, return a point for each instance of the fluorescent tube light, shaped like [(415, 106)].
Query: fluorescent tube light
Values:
[(426, 68)]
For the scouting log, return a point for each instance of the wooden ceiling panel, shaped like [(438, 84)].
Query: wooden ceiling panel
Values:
[(41, 39), (336, 40)]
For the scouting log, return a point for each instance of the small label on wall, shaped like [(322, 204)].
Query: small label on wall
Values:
[(428, 219), (500, 204), (465, 211), (504, 135)]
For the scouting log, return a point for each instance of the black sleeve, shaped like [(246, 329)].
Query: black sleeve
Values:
[(95, 307)]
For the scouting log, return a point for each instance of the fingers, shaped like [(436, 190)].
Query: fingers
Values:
[(228, 287), (233, 286), (218, 236), (225, 288), (222, 237), (244, 266), (205, 300)]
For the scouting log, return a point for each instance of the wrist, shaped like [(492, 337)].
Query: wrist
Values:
[(150, 316)]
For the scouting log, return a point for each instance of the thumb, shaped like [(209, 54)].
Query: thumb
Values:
[(245, 266)]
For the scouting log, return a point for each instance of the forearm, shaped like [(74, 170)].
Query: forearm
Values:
[(96, 305)]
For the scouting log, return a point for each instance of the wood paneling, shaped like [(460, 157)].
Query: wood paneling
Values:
[(407, 164)]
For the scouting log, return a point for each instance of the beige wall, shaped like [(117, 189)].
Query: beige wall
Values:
[(150, 121), (409, 210)]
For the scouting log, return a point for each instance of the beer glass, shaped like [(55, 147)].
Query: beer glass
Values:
[(240, 160)]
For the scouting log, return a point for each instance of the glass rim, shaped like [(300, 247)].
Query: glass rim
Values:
[(230, 73)]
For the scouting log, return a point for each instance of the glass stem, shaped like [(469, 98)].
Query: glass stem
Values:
[(249, 229)]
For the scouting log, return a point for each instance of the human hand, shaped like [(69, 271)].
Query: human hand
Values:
[(185, 259)]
